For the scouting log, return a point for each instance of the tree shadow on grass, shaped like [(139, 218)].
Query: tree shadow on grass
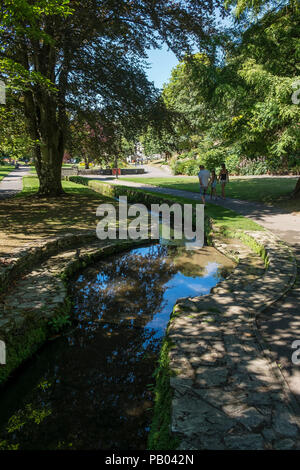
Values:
[(29, 219)]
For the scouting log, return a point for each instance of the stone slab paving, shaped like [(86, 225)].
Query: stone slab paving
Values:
[(227, 392), (21, 259), (12, 183), (280, 326)]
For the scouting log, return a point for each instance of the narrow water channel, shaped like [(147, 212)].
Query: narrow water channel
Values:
[(92, 387)]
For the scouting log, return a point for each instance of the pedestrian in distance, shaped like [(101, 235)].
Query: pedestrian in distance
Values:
[(203, 176), (224, 179), (213, 185)]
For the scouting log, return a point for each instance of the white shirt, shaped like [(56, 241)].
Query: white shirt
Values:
[(204, 175)]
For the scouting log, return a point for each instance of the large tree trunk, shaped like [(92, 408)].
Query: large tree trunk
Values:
[(49, 162), (46, 115), (48, 134), (49, 172), (296, 192), (86, 162)]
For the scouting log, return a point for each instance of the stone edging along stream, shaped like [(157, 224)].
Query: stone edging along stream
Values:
[(218, 387), (37, 305), (14, 265)]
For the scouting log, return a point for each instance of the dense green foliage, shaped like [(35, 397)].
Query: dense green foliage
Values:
[(60, 58), (239, 110), (14, 140)]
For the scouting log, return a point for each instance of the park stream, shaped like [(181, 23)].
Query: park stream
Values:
[(92, 386)]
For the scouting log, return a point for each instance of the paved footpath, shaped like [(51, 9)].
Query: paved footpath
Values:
[(12, 183), (280, 323)]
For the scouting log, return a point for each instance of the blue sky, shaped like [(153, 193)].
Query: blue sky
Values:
[(162, 61)]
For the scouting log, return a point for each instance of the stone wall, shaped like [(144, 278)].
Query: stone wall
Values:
[(38, 305), (75, 171), (12, 266)]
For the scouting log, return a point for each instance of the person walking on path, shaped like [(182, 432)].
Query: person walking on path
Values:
[(203, 176), (213, 185), (224, 179)]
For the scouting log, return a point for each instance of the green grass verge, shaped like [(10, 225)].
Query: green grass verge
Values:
[(266, 190), (31, 186)]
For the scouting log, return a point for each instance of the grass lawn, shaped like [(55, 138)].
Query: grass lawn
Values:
[(26, 219), (226, 218), (4, 170), (267, 190), (221, 215)]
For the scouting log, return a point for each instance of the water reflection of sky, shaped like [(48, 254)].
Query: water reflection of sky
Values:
[(180, 284), (97, 374)]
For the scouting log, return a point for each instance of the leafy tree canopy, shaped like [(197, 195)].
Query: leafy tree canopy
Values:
[(67, 55), (245, 105)]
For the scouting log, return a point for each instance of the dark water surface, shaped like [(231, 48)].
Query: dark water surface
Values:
[(91, 388)]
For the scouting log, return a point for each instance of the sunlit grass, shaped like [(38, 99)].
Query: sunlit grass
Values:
[(26, 218), (221, 216), (266, 190)]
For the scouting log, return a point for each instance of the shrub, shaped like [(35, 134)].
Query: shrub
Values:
[(191, 167), (59, 321), (232, 163), (295, 170), (78, 180), (212, 158)]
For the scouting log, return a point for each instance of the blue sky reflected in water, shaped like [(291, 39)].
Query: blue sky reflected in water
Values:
[(109, 283)]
